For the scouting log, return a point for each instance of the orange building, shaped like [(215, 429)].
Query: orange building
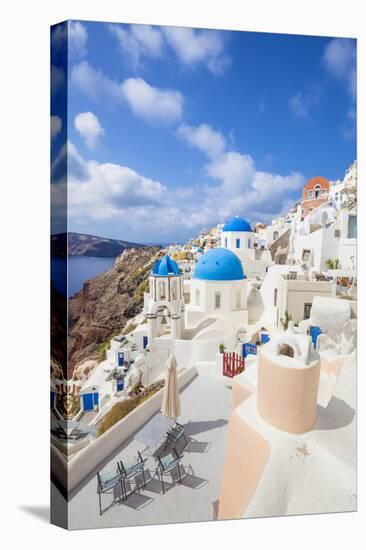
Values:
[(314, 193)]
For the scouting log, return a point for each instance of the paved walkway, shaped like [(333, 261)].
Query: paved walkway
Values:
[(206, 407)]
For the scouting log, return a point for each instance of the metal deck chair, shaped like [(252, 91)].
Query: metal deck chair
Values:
[(107, 482), (176, 432), (129, 471), (167, 463)]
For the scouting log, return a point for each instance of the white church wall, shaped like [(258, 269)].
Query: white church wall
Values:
[(188, 352), (230, 240), (323, 243)]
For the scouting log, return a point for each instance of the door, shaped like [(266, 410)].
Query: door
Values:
[(314, 333), (88, 402), (307, 310), (121, 358), (145, 340)]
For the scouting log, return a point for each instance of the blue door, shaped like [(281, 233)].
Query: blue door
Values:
[(314, 333), (53, 399), (88, 402), (120, 384), (121, 358), (145, 341)]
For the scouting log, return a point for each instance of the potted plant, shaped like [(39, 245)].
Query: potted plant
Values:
[(286, 320), (221, 348)]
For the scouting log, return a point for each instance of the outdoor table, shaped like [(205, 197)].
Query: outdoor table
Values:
[(154, 430)]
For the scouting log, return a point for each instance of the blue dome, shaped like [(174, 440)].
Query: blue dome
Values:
[(237, 224), (166, 266), (219, 264)]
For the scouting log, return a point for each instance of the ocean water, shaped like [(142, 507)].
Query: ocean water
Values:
[(81, 268)]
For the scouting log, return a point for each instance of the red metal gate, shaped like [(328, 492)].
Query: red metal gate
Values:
[(233, 364)]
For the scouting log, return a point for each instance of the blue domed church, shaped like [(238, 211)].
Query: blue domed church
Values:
[(218, 288), (238, 237)]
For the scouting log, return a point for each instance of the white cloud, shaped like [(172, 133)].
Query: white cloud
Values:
[(107, 189), (71, 36), (203, 138), (298, 105), (234, 170), (77, 39), (191, 46), (56, 126), (138, 41), (94, 84), (89, 127), (153, 104), (340, 61), (198, 46), (241, 188), (108, 193)]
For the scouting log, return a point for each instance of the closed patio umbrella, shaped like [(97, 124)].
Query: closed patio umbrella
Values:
[(170, 406)]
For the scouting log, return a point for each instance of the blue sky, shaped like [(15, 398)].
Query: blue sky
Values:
[(170, 129)]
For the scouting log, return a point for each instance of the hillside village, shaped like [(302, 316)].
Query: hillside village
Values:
[(283, 294)]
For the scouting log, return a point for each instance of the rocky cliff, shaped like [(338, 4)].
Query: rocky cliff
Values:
[(104, 304), (80, 244)]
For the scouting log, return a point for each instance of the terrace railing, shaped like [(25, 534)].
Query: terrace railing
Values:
[(233, 364)]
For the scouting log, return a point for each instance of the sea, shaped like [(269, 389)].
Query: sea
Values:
[(81, 268)]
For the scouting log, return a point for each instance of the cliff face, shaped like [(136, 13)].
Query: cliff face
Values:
[(105, 303), (79, 244), (58, 333)]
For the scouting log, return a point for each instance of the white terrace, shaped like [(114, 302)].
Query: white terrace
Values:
[(206, 407)]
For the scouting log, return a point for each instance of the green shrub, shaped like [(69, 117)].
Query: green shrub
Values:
[(286, 320), (123, 408), (140, 289), (129, 328), (101, 350)]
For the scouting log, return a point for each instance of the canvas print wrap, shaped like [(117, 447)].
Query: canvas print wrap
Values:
[(203, 274)]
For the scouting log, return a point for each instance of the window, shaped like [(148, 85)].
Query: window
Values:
[(248, 243), (217, 300), (310, 194), (238, 299), (225, 242), (305, 255), (174, 290), (307, 310), (237, 243), (162, 290), (352, 227), (317, 191), (324, 191), (275, 235), (275, 294), (337, 233), (197, 297)]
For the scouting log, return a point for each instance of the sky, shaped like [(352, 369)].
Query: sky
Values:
[(166, 130)]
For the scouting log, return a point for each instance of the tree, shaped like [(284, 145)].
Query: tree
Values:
[(333, 264), (286, 320)]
